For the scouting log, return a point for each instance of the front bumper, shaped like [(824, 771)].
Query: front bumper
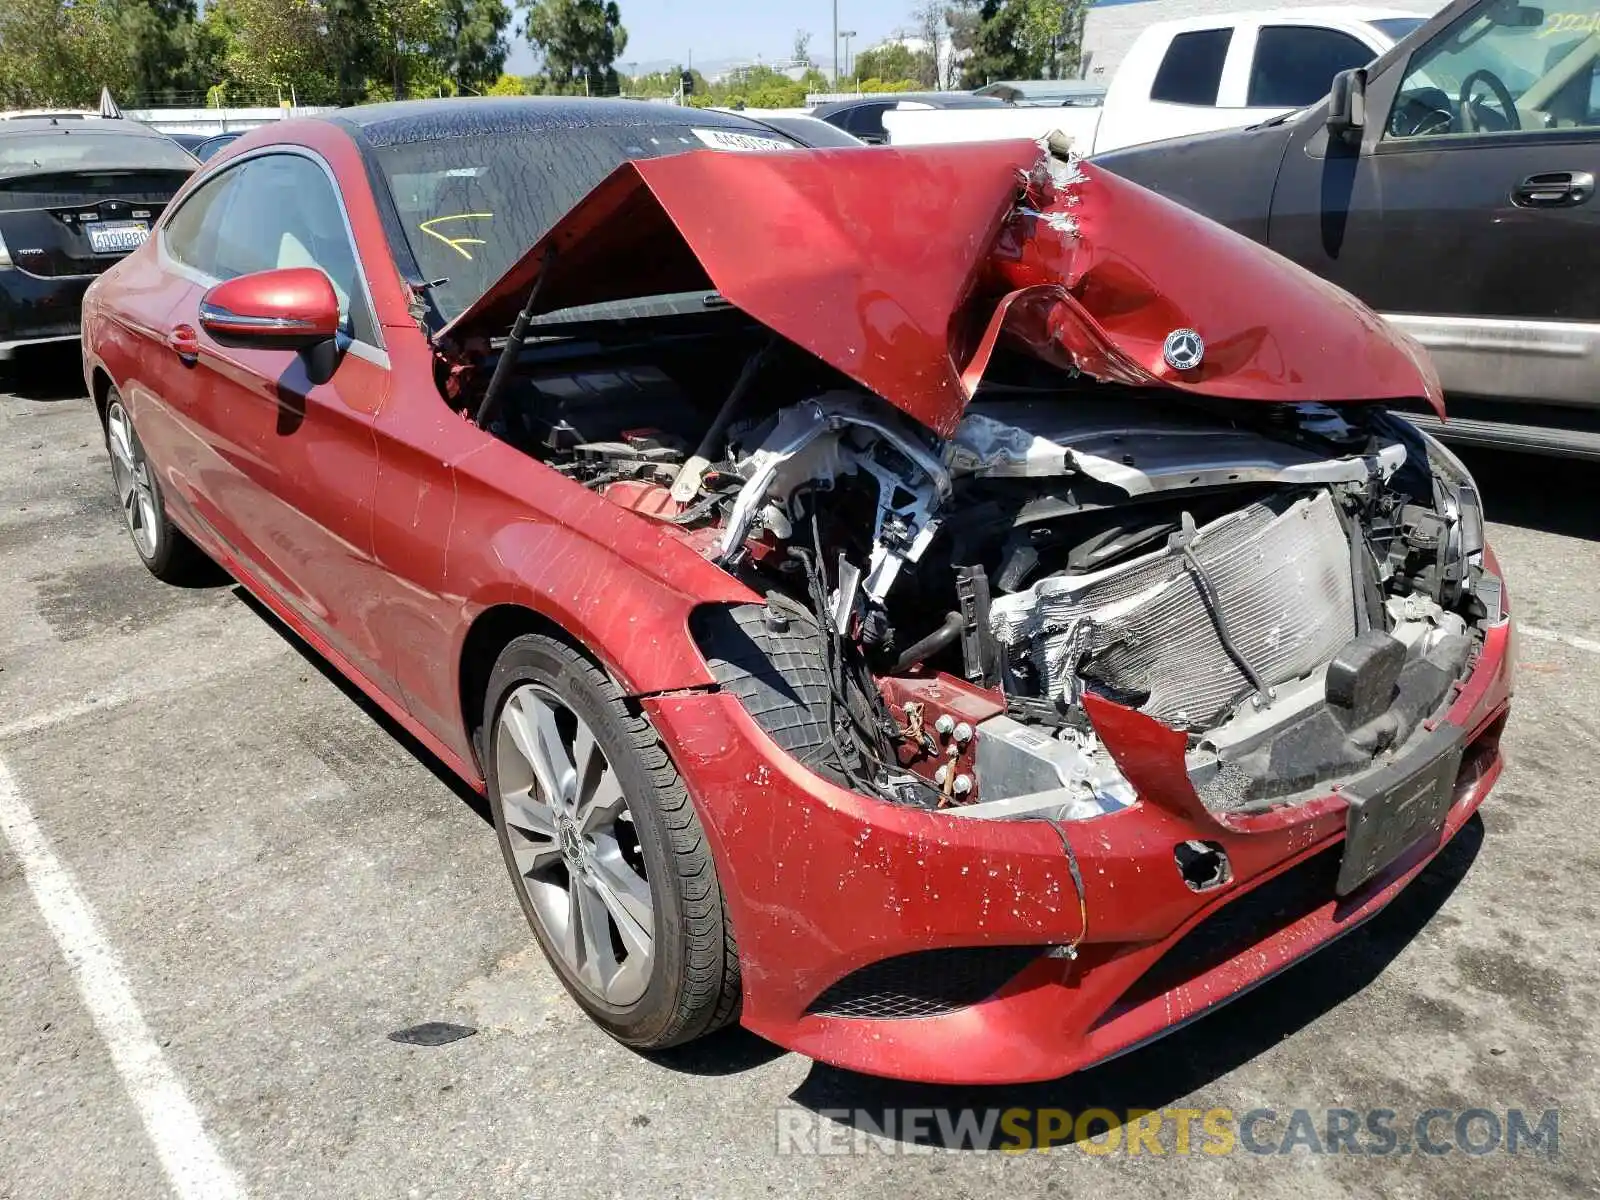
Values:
[(821, 882)]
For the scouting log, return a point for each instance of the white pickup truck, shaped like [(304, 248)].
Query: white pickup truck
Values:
[(1191, 76)]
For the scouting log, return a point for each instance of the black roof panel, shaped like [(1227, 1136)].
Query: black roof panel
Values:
[(402, 121)]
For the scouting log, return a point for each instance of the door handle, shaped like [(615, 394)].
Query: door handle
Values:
[(1553, 189), (184, 342)]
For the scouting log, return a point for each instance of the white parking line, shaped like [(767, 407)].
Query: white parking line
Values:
[(192, 1163), (67, 712), (1588, 645)]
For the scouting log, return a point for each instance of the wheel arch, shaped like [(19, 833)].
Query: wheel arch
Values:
[(100, 385), (491, 631)]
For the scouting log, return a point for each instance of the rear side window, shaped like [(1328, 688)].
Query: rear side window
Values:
[(867, 120), (1191, 73), (191, 235), (1295, 64)]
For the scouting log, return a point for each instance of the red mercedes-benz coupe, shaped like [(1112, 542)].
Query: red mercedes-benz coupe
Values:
[(910, 602)]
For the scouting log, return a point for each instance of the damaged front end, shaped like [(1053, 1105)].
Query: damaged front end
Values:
[(1092, 454), (1090, 589)]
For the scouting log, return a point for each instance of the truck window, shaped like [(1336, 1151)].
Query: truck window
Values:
[(1503, 70), (1191, 72), (1295, 64)]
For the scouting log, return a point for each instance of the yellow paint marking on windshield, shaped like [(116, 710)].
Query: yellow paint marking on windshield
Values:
[(455, 243)]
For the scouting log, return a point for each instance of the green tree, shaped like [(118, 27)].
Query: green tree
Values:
[(352, 47), (999, 51), (279, 47), (61, 54), (507, 85), (661, 84), (962, 19), (868, 86), (892, 60), (579, 42), (1050, 33), (403, 32), (158, 36), (471, 50)]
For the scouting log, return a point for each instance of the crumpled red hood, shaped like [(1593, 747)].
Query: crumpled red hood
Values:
[(904, 268)]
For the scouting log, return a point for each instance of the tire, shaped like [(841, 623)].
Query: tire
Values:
[(542, 691), (165, 551), (775, 661)]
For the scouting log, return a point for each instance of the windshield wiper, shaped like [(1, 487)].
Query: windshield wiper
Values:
[(1272, 122)]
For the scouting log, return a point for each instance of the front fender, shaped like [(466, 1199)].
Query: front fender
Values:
[(619, 583)]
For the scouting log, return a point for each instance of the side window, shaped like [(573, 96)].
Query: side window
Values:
[(1503, 69), (1295, 64), (191, 235), (867, 120), (286, 214), (1191, 72)]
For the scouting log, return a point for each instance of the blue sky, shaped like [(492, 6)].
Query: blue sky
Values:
[(741, 29)]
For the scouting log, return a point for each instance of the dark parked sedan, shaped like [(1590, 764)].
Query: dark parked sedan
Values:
[(75, 197), (209, 146), (863, 117)]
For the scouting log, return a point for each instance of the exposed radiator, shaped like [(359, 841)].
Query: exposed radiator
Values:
[(1281, 574)]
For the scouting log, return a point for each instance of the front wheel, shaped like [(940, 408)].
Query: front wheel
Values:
[(607, 856), (169, 556)]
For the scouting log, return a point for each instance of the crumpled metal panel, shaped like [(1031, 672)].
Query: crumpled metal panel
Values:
[(903, 268), (1281, 575)]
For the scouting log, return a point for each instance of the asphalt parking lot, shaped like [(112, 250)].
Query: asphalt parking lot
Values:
[(273, 878)]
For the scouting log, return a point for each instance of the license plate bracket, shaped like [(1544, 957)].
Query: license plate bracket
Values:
[(116, 237), (1394, 808)]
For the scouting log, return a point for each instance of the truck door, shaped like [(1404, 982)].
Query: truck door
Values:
[(1466, 213)]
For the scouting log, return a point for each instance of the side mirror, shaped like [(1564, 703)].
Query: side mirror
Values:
[(293, 308), (1347, 104)]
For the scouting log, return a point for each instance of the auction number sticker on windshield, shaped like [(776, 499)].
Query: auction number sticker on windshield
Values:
[(728, 139)]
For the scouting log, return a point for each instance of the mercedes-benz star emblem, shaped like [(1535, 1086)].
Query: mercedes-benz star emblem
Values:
[(1183, 349)]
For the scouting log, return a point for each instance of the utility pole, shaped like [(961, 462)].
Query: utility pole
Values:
[(847, 34), (836, 45)]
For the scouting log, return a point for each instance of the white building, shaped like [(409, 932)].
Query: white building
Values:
[(1112, 25)]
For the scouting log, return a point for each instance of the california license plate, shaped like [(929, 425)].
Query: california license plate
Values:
[(117, 237)]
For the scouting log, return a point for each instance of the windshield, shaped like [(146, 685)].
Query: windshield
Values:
[(69, 150), (472, 206), (1398, 28)]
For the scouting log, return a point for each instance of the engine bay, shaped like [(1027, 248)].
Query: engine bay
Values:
[(1294, 588)]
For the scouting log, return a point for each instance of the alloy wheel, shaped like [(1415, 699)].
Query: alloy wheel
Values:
[(131, 475), (573, 840)]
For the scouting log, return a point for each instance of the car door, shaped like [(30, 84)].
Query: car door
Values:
[(286, 466), (166, 409), (1466, 212)]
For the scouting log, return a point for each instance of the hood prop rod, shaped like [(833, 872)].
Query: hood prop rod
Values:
[(686, 484), (512, 350)]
